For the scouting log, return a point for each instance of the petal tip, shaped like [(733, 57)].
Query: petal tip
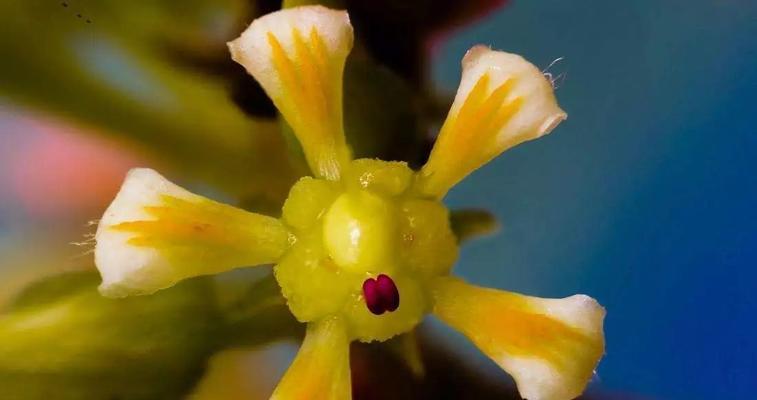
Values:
[(551, 122), (474, 53), (234, 49), (113, 290)]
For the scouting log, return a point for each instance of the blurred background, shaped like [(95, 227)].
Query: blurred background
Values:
[(645, 198)]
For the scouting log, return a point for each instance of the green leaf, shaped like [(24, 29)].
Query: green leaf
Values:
[(472, 223), (62, 340)]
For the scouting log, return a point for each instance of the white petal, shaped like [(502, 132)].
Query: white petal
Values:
[(503, 100), (298, 55), (549, 346), (155, 233)]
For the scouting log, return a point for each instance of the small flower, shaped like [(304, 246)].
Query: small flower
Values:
[(363, 249)]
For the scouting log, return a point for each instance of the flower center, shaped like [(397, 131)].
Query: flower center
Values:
[(359, 243), (381, 294), (358, 232)]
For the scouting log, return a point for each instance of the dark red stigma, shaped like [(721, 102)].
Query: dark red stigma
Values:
[(381, 294)]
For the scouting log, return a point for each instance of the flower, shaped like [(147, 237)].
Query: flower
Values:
[(363, 249)]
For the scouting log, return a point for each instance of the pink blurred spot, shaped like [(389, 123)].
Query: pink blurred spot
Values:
[(61, 171)]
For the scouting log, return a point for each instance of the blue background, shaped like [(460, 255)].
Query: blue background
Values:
[(645, 197)]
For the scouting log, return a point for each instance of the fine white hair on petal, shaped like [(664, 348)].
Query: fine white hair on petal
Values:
[(539, 113), (155, 234), (128, 269), (503, 100), (552, 78)]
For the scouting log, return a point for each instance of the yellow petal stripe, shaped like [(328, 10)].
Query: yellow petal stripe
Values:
[(321, 370), (205, 236), (155, 233), (298, 56), (550, 346), (502, 101)]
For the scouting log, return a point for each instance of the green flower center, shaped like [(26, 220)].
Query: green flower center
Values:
[(370, 225)]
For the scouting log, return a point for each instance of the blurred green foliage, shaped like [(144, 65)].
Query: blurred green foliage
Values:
[(62, 340), (121, 68)]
